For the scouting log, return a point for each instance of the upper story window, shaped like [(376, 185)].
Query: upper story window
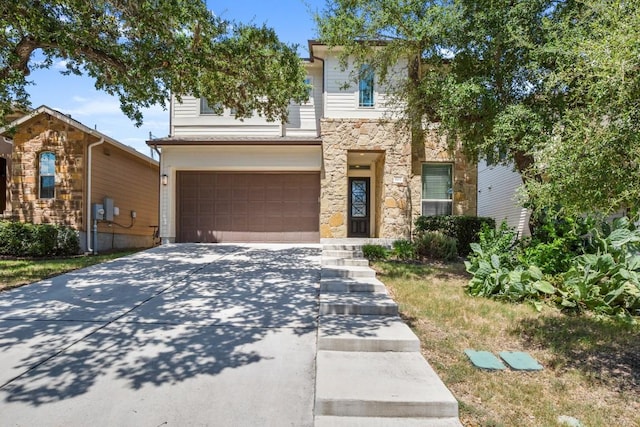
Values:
[(365, 87), (309, 82), (47, 175), (205, 108), (437, 189), (494, 158)]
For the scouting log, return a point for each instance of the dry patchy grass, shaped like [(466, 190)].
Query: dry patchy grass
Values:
[(591, 366)]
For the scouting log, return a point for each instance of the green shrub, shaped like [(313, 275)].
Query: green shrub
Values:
[(463, 228), (433, 244), (497, 272), (375, 252), (68, 241), (13, 238), (557, 239), (43, 240), (404, 250), (607, 282), (37, 240), (502, 242)]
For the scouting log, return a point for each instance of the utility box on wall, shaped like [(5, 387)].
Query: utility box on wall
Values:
[(97, 212), (108, 209)]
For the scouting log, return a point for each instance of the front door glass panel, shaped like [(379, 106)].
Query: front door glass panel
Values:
[(359, 199)]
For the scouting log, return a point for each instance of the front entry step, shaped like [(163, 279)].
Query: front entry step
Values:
[(341, 253), (380, 384), (347, 271), (366, 284), (329, 421), (361, 303), (357, 262), (365, 333)]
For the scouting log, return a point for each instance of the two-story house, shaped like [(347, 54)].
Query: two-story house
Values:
[(340, 167)]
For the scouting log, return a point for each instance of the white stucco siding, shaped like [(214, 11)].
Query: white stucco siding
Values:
[(497, 187), (227, 158)]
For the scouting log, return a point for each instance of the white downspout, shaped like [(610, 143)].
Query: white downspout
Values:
[(88, 223)]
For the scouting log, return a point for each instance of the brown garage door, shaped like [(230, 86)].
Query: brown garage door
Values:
[(248, 207)]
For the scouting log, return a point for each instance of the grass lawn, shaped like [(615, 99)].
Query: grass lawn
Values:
[(591, 366), (14, 273)]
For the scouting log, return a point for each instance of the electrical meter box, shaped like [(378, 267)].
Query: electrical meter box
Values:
[(97, 212)]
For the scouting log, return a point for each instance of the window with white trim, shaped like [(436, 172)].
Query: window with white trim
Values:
[(437, 189), (47, 175), (365, 87), (309, 82), (205, 108)]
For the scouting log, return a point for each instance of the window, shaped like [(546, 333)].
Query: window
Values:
[(365, 98), (494, 158), (47, 174), (309, 82), (437, 189), (205, 108)]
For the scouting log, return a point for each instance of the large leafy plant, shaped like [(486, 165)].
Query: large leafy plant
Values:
[(495, 273), (607, 282)]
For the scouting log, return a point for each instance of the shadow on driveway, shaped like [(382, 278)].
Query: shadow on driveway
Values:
[(206, 329)]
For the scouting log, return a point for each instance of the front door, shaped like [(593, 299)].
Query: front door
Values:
[(359, 207)]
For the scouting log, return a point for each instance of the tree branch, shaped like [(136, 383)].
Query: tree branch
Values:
[(22, 51)]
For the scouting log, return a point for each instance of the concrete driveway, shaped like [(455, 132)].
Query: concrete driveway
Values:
[(177, 335)]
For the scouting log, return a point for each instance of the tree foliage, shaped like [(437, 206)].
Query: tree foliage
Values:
[(144, 50), (553, 83)]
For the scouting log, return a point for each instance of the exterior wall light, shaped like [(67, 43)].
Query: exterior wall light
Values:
[(165, 179)]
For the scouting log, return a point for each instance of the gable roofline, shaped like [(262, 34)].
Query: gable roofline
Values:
[(43, 109)]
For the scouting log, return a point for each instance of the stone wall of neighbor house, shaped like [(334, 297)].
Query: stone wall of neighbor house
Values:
[(398, 175), (45, 133), (339, 136), (465, 174)]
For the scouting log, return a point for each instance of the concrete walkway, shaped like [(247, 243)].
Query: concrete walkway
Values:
[(369, 369), (216, 335), (177, 335)]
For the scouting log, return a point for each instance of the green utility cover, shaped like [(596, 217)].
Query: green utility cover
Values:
[(484, 360), (520, 361)]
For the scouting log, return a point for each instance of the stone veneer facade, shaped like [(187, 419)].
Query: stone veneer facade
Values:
[(41, 134), (397, 175)]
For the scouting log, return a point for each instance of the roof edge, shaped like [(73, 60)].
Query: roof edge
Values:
[(43, 109), (235, 142)]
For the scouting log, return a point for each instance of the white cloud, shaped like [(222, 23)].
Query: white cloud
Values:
[(60, 65), (88, 107)]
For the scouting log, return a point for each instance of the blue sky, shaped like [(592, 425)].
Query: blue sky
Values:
[(77, 96)]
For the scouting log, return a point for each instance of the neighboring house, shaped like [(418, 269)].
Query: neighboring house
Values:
[(339, 168), (6, 147), (5, 174), (60, 169), (497, 196)]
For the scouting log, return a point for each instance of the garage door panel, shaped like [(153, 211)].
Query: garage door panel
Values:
[(248, 207)]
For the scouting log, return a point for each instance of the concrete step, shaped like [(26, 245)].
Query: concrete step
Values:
[(361, 284), (341, 253), (359, 262), (342, 247), (358, 303), (347, 271), (365, 333), (329, 421), (380, 384)]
